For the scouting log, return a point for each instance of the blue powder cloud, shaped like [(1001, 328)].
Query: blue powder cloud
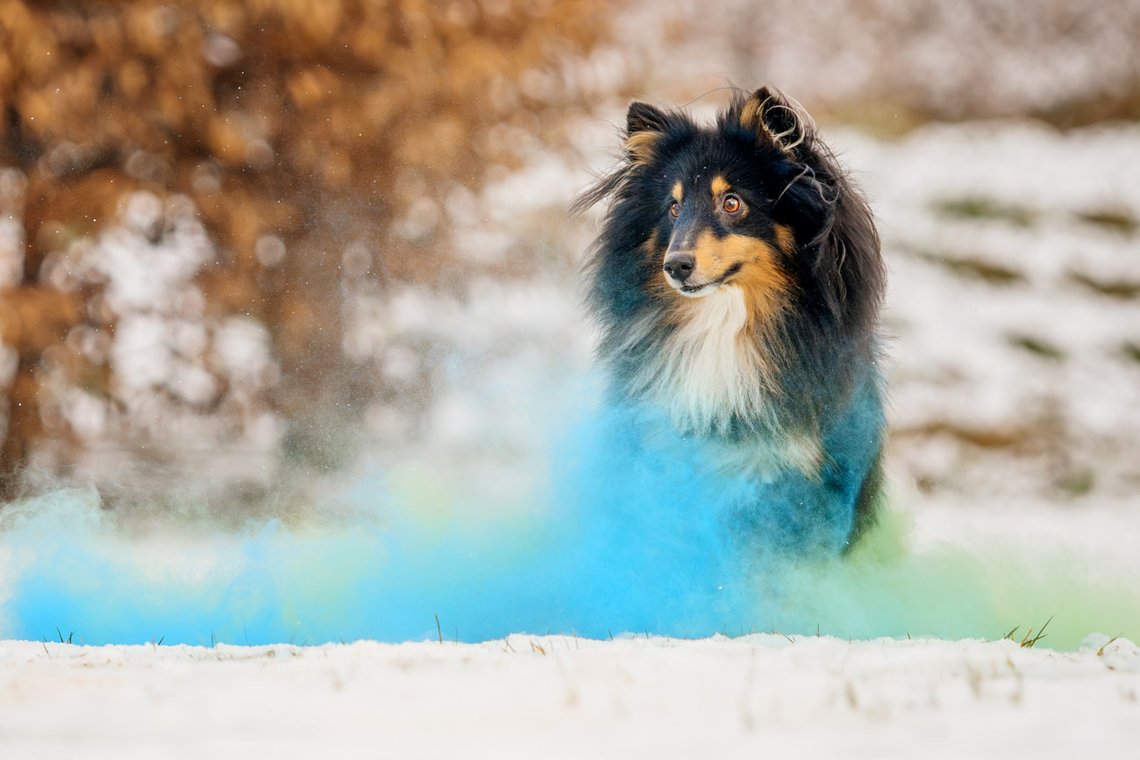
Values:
[(623, 534)]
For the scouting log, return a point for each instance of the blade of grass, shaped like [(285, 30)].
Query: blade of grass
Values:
[(1028, 642), (1100, 652)]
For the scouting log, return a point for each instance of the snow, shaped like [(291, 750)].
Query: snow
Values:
[(563, 697)]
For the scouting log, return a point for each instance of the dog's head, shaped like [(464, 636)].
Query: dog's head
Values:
[(756, 202)]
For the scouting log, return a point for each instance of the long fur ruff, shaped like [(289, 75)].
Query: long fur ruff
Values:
[(776, 361)]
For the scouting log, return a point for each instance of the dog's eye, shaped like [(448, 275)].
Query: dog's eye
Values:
[(674, 209), (731, 203)]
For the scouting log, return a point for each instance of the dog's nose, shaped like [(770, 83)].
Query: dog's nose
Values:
[(679, 266)]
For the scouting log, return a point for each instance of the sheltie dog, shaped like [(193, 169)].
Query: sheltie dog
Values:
[(737, 281)]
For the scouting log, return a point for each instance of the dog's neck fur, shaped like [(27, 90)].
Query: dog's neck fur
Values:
[(714, 369), (709, 369)]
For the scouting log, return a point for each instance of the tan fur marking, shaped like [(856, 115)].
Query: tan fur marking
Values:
[(750, 114), (766, 288), (657, 287), (650, 244), (678, 191), (785, 238), (641, 146), (719, 186)]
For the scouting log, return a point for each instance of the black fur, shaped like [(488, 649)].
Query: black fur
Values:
[(825, 346)]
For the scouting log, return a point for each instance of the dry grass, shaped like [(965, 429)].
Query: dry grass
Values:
[(1029, 640)]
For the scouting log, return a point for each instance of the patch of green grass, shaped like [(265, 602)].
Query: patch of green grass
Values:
[(981, 207), (1123, 290), (974, 269), (1130, 349), (1037, 346), (1115, 219), (1077, 481)]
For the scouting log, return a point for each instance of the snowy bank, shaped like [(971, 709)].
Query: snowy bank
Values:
[(561, 697)]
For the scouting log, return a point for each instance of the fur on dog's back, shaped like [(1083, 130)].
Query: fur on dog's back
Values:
[(737, 281)]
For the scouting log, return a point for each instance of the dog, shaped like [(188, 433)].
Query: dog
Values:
[(737, 282)]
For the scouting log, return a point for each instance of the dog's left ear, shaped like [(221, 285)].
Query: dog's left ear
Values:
[(645, 125), (778, 120), (643, 117)]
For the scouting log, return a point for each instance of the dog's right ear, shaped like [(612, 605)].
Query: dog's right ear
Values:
[(644, 126), (778, 120), (642, 117)]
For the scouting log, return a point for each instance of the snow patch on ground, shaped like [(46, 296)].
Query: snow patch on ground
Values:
[(566, 697)]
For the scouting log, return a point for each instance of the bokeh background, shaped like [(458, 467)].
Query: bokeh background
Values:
[(246, 246)]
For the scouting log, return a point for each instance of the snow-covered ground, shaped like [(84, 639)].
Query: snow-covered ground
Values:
[(564, 697)]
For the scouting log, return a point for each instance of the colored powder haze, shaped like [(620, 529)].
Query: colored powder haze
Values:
[(557, 517), (618, 536)]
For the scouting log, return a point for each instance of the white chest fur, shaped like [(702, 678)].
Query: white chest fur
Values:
[(710, 369), (713, 369)]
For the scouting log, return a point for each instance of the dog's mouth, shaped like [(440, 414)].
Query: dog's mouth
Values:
[(697, 290)]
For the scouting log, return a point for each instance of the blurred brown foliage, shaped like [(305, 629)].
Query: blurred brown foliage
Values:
[(295, 126)]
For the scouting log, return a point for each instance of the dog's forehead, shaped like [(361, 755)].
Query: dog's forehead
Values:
[(706, 164), (705, 178), (706, 184)]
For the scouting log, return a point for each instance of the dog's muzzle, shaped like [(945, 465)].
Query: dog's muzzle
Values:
[(679, 266)]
